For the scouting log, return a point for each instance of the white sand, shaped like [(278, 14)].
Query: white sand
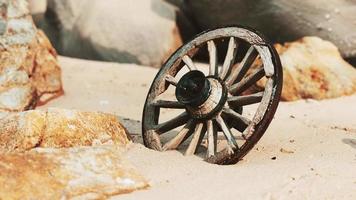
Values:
[(318, 138)]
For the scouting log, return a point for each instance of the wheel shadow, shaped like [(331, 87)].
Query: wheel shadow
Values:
[(133, 127), (349, 141), (135, 130)]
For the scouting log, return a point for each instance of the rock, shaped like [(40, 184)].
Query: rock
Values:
[(137, 31), (29, 72), (314, 69), (37, 6), (59, 128), (68, 173), (283, 21)]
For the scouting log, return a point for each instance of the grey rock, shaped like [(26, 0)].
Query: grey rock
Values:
[(135, 31), (284, 20)]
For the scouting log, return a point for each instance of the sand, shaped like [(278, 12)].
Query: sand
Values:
[(308, 152)]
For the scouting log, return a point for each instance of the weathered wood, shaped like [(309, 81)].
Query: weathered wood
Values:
[(229, 137), (213, 58), (222, 157), (247, 82), (188, 61), (216, 93), (212, 138), (172, 124), (178, 139), (262, 108), (152, 138), (265, 55), (246, 100), (229, 58), (180, 59), (244, 66), (236, 115), (194, 142), (172, 80), (167, 104)]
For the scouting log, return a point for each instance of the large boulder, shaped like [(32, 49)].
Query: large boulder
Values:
[(59, 128), (313, 68), (282, 20), (68, 173), (37, 6), (29, 72), (136, 31)]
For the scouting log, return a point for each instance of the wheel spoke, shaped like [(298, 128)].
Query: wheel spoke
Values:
[(243, 67), (194, 142), (247, 82), (188, 61), (235, 123), (229, 58), (239, 126), (213, 59), (246, 100), (212, 138), (173, 123), (153, 139), (178, 139), (167, 104), (229, 137), (249, 131), (172, 80), (236, 116), (237, 137), (263, 106)]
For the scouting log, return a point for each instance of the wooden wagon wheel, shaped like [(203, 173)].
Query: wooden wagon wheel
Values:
[(211, 104)]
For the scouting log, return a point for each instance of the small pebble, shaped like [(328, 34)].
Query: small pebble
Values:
[(311, 101), (286, 151), (274, 158), (103, 102)]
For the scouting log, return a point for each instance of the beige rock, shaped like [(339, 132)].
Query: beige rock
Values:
[(29, 72), (38, 6), (135, 31), (59, 128), (67, 173), (314, 68)]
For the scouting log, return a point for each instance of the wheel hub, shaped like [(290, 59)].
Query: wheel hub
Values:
[(202, 96)]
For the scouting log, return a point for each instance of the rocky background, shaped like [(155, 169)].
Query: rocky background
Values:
[(42, 153), (146, 32), (76, 151)]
